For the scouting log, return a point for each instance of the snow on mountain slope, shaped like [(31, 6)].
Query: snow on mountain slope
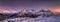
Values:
[(48, 17), (38, 19)]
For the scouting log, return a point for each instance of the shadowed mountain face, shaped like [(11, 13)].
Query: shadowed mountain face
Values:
[(4, 16)]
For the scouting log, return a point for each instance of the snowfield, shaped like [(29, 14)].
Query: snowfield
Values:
[(38, 19)]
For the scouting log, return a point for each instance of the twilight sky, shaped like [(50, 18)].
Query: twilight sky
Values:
[(28, 4)]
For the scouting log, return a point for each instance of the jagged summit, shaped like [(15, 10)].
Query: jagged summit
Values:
[(26, 13), (45, 10)]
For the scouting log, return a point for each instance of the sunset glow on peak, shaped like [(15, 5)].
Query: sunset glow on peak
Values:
[(56, 9)]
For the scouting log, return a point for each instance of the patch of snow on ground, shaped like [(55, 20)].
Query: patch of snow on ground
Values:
[(38, 19)]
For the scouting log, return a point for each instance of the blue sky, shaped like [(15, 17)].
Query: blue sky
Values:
[(28, 4)]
